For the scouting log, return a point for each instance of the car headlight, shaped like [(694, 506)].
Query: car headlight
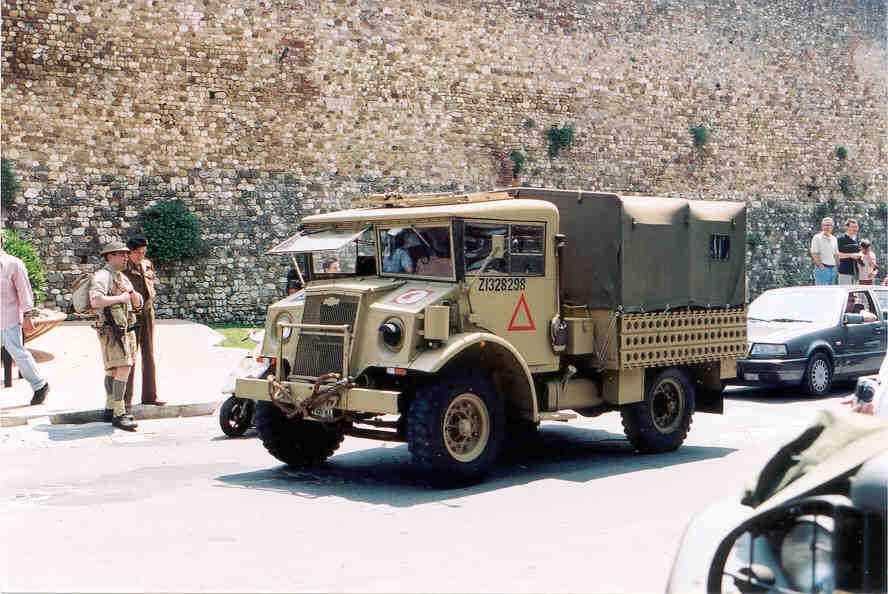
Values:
[(392, 333), (768, 350), (285, 318), (806, 554)]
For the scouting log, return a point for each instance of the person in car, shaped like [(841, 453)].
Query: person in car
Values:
[(397, 259), (852, 307)]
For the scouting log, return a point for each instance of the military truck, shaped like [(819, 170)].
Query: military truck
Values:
[(457, 322)]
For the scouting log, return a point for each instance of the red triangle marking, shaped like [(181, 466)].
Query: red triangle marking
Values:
[(521, 303)]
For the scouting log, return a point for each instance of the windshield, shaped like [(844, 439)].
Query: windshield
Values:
[(416, 250), (795, 305), (355, 257)]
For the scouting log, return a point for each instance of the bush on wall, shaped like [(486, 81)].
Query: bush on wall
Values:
[(559, 138), (9, 182), (700, 135), (173, 231), (22, 249)]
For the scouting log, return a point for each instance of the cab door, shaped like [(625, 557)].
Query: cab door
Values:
[(865, 342), (513, 296)]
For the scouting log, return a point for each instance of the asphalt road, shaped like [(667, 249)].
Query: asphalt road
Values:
[(178, 507)]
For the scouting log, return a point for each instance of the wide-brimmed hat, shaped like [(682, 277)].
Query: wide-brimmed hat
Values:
[(114, 246)]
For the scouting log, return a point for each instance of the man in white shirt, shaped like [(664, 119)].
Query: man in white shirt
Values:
[(824, 248)]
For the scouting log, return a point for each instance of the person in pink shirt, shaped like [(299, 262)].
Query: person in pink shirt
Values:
[(16, 308)]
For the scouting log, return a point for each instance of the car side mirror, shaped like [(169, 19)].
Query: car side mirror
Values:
[(853, 318)]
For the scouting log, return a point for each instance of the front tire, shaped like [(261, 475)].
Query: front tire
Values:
[(236, 416), (662, 420), (299, 443), (455, 428), (818, 375)]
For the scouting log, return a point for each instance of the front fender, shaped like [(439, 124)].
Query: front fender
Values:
[(821, 345), (433, 360), (466, 346)]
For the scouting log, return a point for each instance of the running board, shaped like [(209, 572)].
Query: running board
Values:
[(557, 416)]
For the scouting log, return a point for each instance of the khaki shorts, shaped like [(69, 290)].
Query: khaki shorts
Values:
[(115, 355)]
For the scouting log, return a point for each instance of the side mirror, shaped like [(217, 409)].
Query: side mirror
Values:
[(853, 318)]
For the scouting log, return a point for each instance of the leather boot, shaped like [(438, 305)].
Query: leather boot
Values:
[(40, 395), (124, 422)]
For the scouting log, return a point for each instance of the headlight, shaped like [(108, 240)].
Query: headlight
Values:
[(285, 318), (806, 554), (768, 350), (392, 333)]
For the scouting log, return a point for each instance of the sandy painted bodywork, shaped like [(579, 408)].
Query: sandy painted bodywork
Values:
[(520, 316)]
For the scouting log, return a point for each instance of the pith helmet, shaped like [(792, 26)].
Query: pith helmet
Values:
[(114, 246)]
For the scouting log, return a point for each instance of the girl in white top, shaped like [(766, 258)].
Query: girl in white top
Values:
[(867, 263)]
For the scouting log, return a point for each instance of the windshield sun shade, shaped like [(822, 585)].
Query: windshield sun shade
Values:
[(314, 241)]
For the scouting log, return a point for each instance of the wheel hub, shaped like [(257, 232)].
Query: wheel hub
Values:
[(466, 427), (819, 375), (666, 405)]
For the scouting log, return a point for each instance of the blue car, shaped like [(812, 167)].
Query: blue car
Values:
[(812, 336)]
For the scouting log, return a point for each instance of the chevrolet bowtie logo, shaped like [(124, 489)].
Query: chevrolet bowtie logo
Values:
[(331, 301)]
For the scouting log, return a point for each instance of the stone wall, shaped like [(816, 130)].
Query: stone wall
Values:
[(256, 113)]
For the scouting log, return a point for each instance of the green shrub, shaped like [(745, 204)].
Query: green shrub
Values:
[(529, 123), (9, 183), (173, 231), (846, 186), (518, 158), (841, 153), (560, 138), (753, 240), (701, 135), (22, 249)]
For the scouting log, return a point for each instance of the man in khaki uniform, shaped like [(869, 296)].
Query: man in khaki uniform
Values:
[(112, 295)]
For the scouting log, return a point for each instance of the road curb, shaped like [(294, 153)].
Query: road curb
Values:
[(140, 412)]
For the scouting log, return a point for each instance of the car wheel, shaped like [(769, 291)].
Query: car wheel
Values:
[(818, 375), (236, 416), (455, 428), (299, 443), (662, 420)]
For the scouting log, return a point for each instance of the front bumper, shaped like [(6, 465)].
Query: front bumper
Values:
[(352, 400), (770, 372)]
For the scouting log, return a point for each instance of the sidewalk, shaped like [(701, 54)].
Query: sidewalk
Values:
[(190, 373)]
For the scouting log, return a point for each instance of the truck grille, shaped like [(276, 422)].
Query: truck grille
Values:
[(318, 352), (330, 309)]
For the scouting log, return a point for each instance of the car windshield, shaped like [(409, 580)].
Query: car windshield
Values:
[(356, 257), (416, 250), (795, 306)]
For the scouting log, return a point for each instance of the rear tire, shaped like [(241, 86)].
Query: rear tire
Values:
[(662, 420), (818, 375), (236, 416), (455, 428), (298, 443)]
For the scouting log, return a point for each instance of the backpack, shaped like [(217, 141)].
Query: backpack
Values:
[(80, 293)]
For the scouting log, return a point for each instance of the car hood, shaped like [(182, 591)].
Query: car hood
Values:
[(779, 332)]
